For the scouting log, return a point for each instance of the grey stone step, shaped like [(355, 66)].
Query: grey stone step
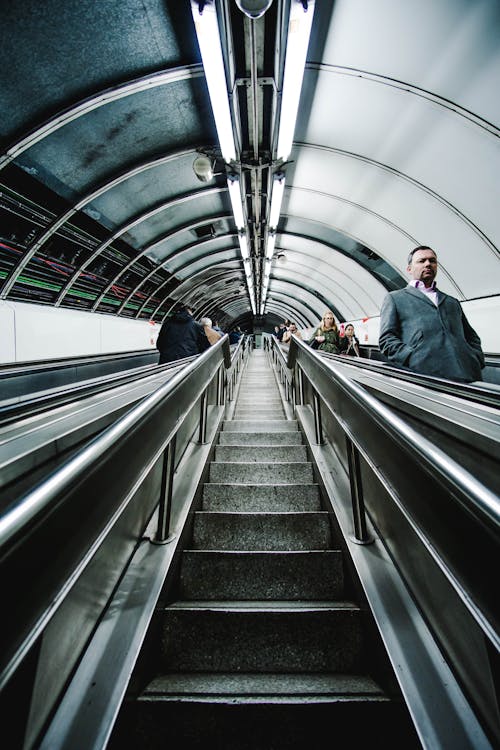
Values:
[(260, 497), (204, 636), (267, 453), (252, 425), (251, 473), (249, 686), (241, 712), (260, 438), (261, 531), (261, 575), (271, 415)]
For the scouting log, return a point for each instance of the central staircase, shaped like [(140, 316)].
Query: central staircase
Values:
[(260, 647)]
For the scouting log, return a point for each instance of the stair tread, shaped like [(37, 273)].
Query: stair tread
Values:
[(264, 606), (276, 685)]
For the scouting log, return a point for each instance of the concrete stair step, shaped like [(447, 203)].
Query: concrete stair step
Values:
[(271, 415), (250, 472), (260, 497), (339, 717), (252, 425), (261, 637), (260, 438), (261, 531), (261, 575), (267, 453), (255, 686)]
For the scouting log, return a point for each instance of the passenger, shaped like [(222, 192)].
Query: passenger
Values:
[(326, 336), (291, 331), (180, 336), (349, 344), (217, 328), (235, 335), (212, 335), (424, 330), (281, 331)]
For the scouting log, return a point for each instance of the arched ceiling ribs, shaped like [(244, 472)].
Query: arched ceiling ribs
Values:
[(301, 307), (167, 260), (326, 269), (171, 203), (58, 222), (209, 283), (313, 292), (359, 258), (416, 183), (208, 309), (285, 312), (100, 99), (210, 257), (180, 268), (147, 249), (407, 88), (183, 293)]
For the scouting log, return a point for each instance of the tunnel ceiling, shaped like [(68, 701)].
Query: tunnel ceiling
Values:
[(105, 108)]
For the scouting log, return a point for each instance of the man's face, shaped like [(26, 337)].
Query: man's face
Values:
[(423, 266)]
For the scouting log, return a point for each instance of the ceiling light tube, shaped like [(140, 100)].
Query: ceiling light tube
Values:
[(243, 246), (233, 185), (271, 241), (276, 200), (299, 29), (207, 31)]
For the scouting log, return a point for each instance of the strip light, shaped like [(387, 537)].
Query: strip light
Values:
[(244, 246), (271, 241), (299, 30), (207, 31), (276, 200), (233, 185)]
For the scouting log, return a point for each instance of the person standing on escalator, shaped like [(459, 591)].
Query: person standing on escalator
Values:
[(424, 330), (180, 336)]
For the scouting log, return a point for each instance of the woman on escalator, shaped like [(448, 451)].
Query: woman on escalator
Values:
[(326, 336)]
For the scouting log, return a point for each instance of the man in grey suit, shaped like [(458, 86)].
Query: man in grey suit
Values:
[(425, 330)]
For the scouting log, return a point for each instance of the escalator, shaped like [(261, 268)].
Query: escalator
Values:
[(173, 633)]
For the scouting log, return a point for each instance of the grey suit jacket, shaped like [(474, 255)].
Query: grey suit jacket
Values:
[(434, 340)]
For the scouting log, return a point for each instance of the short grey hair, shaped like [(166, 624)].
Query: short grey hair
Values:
[(420, 247), (206, 322)]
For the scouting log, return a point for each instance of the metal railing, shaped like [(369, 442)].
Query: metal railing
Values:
[(108, 490), (440, 524)]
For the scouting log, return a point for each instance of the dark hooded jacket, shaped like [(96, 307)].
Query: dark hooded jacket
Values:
[(180, 336)]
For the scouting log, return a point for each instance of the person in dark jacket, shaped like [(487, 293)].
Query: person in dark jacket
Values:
[(424, 330), (180, 336), (349, 343)]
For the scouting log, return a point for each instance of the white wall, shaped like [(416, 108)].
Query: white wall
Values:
[(34, 332)]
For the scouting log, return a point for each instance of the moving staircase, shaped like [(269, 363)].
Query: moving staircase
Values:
[(261, 643)]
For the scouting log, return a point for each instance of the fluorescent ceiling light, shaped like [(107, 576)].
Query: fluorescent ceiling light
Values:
[(271, 241), (233, 185), (276, 200), (243, 246), (207, 31), (299, 29)]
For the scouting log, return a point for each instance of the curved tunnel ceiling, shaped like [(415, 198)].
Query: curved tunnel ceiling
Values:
[(105, 107)]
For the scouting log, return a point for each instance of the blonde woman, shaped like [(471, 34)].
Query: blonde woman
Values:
[(326, 336)]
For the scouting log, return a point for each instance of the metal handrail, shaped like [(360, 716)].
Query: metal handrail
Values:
[(113, 464), (478, 501)]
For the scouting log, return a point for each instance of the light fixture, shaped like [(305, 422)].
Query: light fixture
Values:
[(207, 31), (276, 200), (299, 29), (271, 241), (233, 185), (203, 168), (254, 8), (243, 246)]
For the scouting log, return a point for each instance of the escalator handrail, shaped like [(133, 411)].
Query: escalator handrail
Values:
[(477, 500)]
